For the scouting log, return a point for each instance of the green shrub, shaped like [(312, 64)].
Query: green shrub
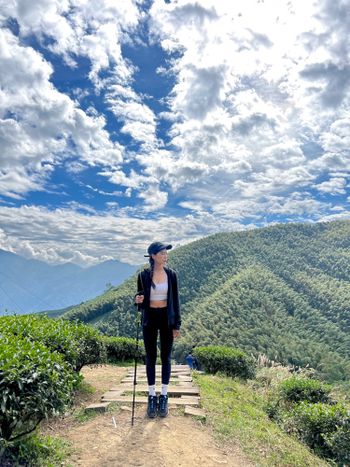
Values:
[(338, 443), (304, 407), (34, 383), (319, 422), (80, 344), (298, 389), (35, 450), (228, 360), (122, 348), (91, 347)]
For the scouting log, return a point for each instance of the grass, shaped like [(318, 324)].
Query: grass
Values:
[(236, 413), (114, 407), (85, 389), (81, 416), (37, 451), (123, 363)]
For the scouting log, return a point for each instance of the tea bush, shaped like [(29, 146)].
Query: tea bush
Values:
[(122, 348), (34, 383), (325, 428), (80, 344), (338, 442), (304, 407), (297, 389), (228, 360)]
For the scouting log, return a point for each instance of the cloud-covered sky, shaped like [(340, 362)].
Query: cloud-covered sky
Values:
[(124, 122)]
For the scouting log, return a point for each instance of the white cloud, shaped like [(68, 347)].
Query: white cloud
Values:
[(86, 237), (256, 85), (337, 139), (154, 198), (335, 217), (62, 235), (138, 119), (333, 186), (132, 180), (93, 29), (38, 123), (242, 98), (16, 183)]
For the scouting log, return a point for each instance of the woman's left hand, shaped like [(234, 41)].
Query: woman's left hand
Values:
[(176, 333)]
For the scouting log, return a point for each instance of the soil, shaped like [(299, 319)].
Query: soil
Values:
[(109, 440)]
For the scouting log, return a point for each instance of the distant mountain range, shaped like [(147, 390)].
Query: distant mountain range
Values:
[(282, 291), (31, 285)]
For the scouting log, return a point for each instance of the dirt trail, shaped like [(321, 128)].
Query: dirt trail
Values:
[(176, 440)]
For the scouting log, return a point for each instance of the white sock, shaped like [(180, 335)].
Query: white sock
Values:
[(164, 389), (152, 390)]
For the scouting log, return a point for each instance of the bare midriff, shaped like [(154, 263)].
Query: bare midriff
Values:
[(158, 303)]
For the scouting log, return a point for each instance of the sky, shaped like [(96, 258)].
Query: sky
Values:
[(124, 122)]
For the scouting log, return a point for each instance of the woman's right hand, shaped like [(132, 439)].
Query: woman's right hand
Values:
[(139, 299)]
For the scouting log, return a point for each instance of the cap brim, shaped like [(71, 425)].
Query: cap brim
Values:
[(166, 247)]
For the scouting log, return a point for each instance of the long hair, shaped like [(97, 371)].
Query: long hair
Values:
[(151, 262)]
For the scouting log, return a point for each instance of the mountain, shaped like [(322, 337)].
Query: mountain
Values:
[(283, 291), (31, 285)]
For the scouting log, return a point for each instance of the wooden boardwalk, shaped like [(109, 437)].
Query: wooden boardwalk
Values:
[(181, 390)]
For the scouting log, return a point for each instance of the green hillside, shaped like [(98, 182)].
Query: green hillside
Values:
[(56, 313), (283, 291)]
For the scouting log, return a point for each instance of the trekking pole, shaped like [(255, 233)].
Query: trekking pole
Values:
[(135, 367), (138, 318)]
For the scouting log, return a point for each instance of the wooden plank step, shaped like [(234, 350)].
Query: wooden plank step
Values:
[(100, 407), (159, 367), (172, 401), (195, 411), (171, 389), (159, 377), (158, 380), (157, 383), (158, 373)]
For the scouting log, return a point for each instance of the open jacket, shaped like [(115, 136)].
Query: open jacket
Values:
[(173, 302)]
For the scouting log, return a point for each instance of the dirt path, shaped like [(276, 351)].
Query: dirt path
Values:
[(176, 440)]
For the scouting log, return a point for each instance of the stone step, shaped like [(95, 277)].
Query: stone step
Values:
[(172, 401), (178, 390)]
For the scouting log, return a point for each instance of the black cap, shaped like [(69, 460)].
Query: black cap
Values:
[(156, 247)]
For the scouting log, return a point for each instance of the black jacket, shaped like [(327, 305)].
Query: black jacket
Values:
[(173, 302)]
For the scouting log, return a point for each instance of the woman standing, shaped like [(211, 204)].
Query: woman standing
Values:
[(158, 298)]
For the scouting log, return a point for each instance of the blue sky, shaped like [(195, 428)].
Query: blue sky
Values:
[(124, 122)]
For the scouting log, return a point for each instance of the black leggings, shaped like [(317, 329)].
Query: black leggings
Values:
[(158, 319)]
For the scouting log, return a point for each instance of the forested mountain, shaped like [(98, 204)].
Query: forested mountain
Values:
[(28, 285), (283, 291)]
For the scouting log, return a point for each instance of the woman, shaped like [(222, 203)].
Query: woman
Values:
[(158, 298)]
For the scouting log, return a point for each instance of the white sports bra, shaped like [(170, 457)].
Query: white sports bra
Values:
[(160, 292)]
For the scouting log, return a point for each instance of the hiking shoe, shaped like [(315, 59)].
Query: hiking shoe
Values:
[(163, 406), (152, 406)]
